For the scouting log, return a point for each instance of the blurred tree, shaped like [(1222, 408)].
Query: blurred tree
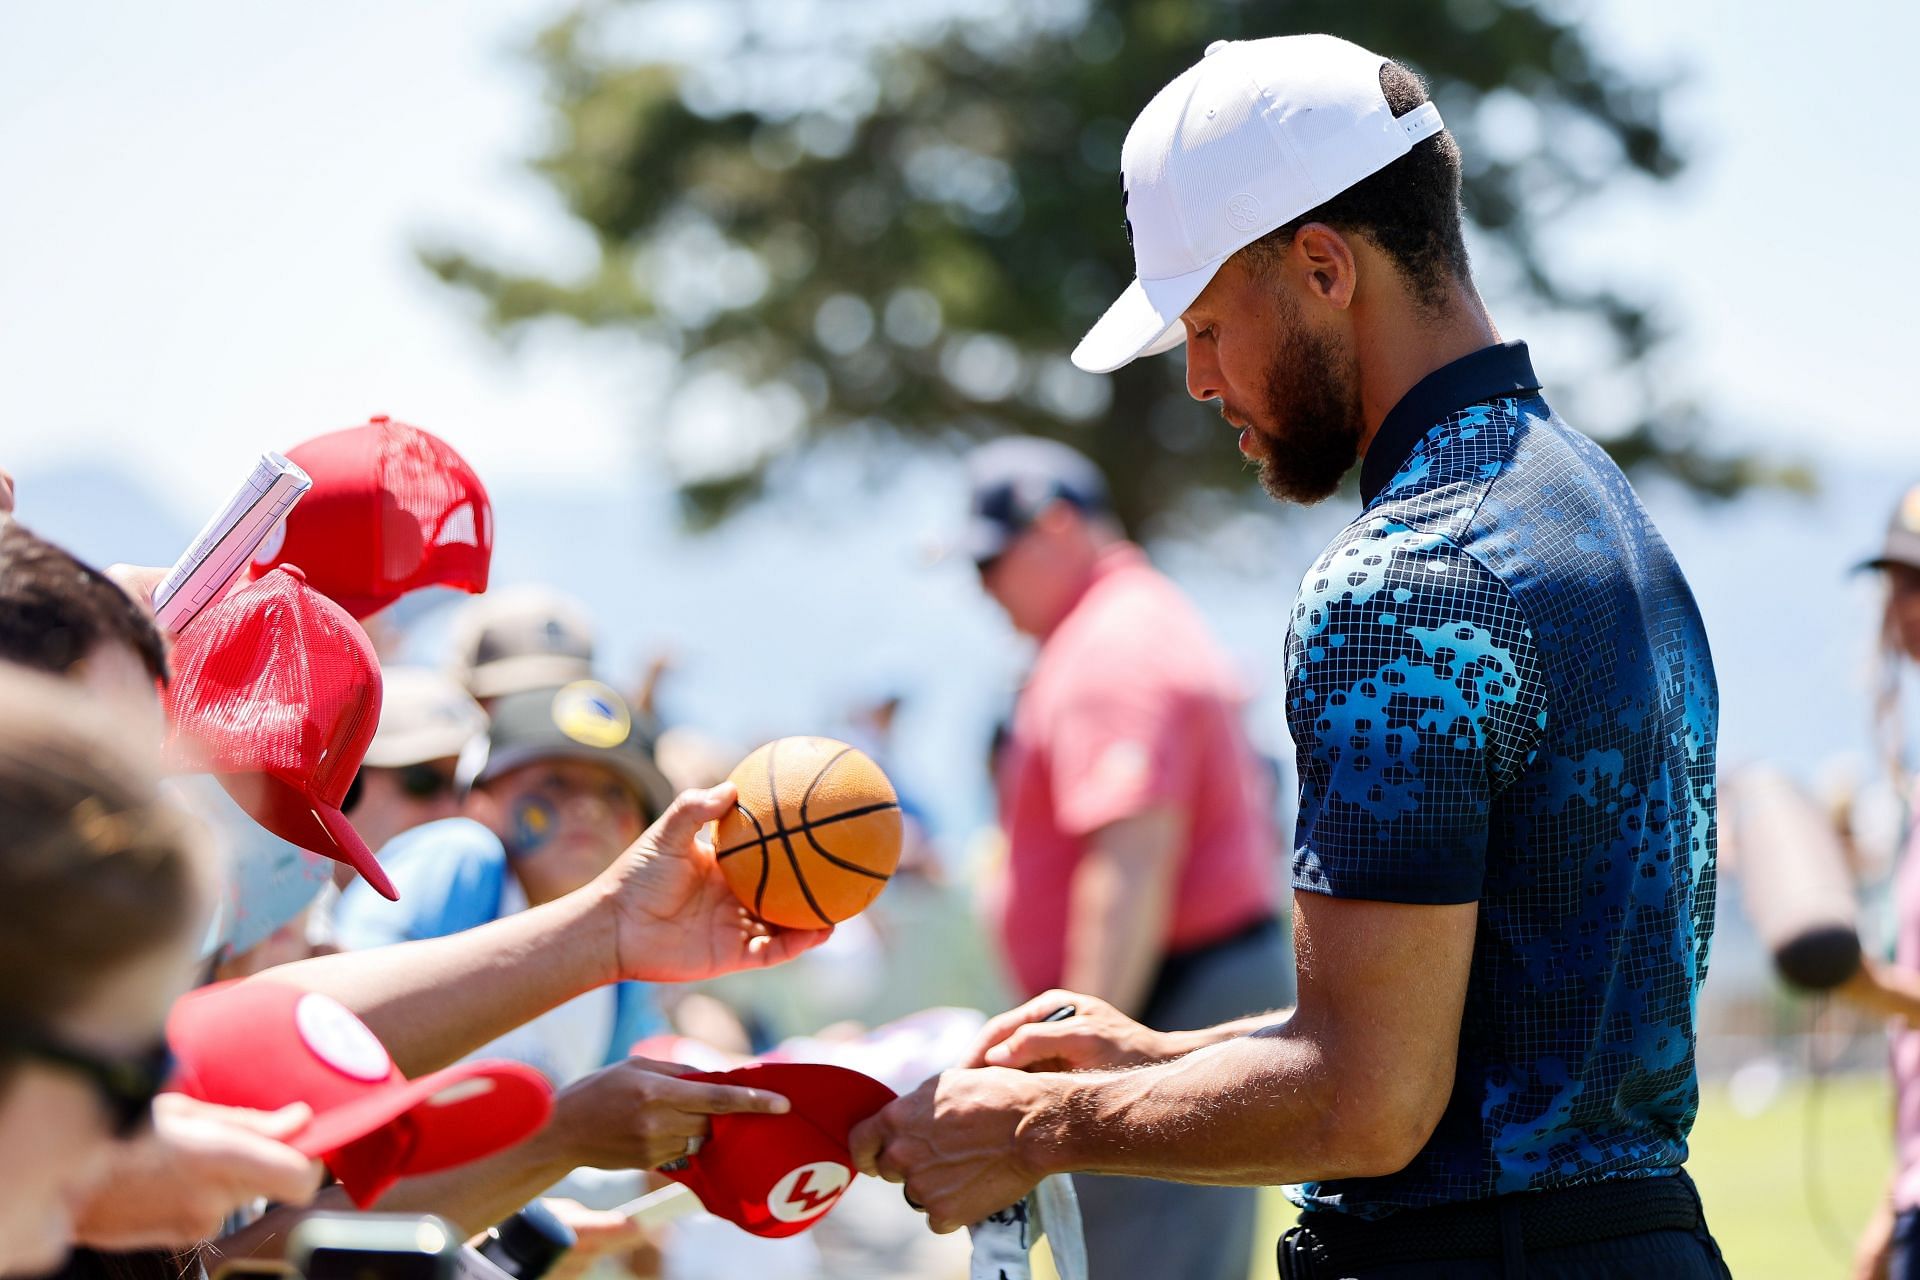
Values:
[(894, 222)]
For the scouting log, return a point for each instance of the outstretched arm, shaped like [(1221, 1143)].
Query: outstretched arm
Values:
[(661, 913)]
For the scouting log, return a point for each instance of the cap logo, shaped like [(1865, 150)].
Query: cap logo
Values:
[(1125, 220), (334, 1036), (1243, 212), (1910, 511), (808, 1191), (269, 548), (592, 714)]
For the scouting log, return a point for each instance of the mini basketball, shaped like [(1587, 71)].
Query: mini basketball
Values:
[(815, 835)]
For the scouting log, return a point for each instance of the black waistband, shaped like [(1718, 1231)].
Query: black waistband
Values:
[(1555, 1219), (1177, 966)]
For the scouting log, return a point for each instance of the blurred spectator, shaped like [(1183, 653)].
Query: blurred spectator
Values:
[(692, 759), (518, 639), (1140, 836), (102, 900), (61, 617), (1891, 1244), (408, 777), (561, 788), (173, 1183)]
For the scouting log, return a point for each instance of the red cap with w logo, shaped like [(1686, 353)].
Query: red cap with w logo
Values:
[(276, 691), (778, 1175), (392, 509)]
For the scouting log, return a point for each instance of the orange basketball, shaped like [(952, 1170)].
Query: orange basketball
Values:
[(815, 835)]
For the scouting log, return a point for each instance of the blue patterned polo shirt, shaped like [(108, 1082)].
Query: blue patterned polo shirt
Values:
[(1500, 692)]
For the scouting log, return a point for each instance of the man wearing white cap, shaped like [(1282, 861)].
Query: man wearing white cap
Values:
[(1504, 713)]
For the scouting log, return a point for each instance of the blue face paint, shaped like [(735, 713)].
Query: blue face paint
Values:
[(535, 820)]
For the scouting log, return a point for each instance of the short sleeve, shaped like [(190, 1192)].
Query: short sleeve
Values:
[(1415, 697), (1118, 744), (449, 875)]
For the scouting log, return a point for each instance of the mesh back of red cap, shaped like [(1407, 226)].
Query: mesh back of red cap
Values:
[(392, 509), (448, 540), (279, 680)]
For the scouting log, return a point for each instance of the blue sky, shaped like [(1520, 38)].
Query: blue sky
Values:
[(208, 211)]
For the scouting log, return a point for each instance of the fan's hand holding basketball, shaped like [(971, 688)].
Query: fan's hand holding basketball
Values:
[(640, 1114), (675, 919), (1097, 1035)]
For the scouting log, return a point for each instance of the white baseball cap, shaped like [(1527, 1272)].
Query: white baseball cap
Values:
[(424, 716), (520, 638), (1252, 136)]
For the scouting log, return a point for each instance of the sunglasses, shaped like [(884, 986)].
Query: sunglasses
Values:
[(424, 782), (127, 1086)]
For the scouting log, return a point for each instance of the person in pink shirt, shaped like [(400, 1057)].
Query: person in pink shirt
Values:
[(1140, 831)]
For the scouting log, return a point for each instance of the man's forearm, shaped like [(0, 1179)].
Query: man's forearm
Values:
[(1258, 1110), (436, 1000), (1181, 1043)]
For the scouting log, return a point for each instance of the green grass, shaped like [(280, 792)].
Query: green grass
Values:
[(1781, 1205), (1782, 1208)]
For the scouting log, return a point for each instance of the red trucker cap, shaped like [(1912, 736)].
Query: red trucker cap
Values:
[(778, 1175), (392, 509), (276, 691), (260, 1044)]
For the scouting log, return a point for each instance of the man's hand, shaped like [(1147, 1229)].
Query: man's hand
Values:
[(1097, 1035), (174, 1185), (137, 580), (960, 1144), (675, 918), (639, 1114)]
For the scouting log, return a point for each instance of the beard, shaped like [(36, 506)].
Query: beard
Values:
[(1314, 390)]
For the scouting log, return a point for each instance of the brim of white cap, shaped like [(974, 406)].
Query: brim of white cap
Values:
[(434, 742), (1143, 321), (524, 672)]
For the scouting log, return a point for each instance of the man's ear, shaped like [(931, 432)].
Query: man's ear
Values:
[(1057, 516), (1324, 262)]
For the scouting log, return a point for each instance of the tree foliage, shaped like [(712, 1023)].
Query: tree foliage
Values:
[(895, 222)]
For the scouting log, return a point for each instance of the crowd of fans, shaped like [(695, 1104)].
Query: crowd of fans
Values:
[(490, 865)]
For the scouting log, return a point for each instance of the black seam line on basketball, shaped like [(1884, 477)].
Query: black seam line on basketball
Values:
[(766, 856), (765, 861), (806, 796), (806, 825), (786, 838), (814, 825), (840, 862)]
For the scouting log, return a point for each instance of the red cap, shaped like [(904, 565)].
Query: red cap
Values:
[(276, 690), (259, 1044), (392, 509), (778, 1175)]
